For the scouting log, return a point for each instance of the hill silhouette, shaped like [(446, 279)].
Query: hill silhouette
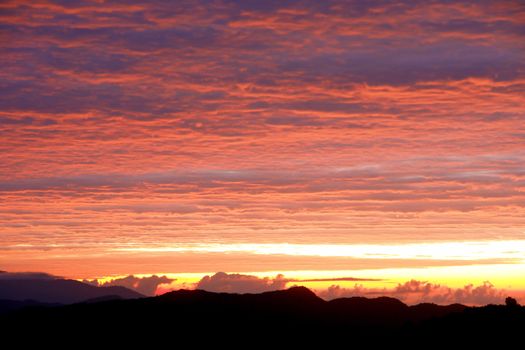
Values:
[(292, 317), (56, 291)]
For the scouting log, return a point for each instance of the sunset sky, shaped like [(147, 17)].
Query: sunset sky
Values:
[(353, 147)]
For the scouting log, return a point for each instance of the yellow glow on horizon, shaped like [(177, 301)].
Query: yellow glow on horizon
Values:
[(502, 276), (501, 263), (466, 250)]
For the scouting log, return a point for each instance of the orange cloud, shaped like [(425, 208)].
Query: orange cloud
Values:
[(329, 122), (410, 292), (416, 292)]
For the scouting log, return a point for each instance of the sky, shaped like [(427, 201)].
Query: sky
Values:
[(353, 147)]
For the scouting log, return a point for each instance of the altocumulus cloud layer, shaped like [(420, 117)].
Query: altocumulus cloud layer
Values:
[(255, 121)]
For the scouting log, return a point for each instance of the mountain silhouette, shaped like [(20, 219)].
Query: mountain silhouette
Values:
[(293, 317), (62, 291)]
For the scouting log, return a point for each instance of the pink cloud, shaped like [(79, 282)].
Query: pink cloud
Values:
[(339, 120), (239, 283), (145, 285), (415, 292), (410, 292)]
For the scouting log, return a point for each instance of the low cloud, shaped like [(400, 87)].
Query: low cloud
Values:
[(410, 292), (237, 283), (414, 292), (336, 279), (143, 285)]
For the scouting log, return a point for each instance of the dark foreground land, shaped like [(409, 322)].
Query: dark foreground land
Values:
[(289, 318)]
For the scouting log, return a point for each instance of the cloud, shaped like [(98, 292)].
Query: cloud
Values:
[(415, 292), (238, 283), (335, 279), (161, 114), (143, 285), (410, 292)]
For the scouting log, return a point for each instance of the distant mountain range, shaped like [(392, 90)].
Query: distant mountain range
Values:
[(19, 292), (293, 317)]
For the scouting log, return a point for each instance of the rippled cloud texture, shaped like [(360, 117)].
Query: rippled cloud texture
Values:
[(255, 121)]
